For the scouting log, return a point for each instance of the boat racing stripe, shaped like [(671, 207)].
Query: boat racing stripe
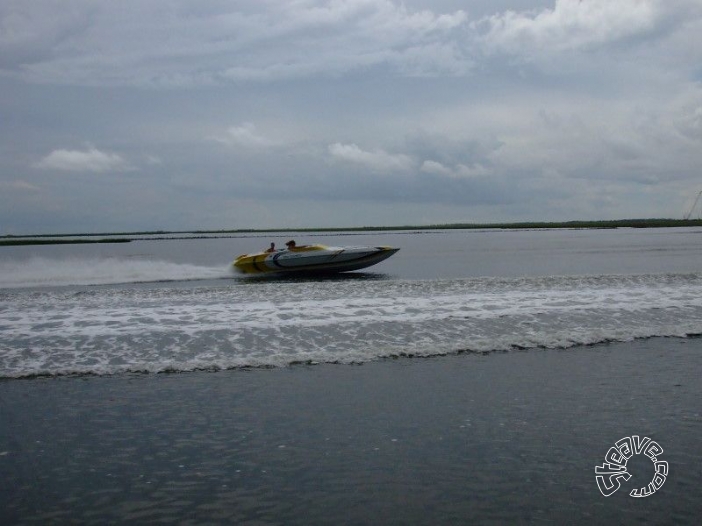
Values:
[(275, 261), (254, 262)]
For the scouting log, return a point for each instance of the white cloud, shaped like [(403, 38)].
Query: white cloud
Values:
[(376, 160), (244, 135), (475, 170), (458, 171), (571, 24), (90, 160), (434, 167), (153, 160)]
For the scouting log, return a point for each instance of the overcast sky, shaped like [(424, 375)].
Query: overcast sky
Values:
[(174, 114)]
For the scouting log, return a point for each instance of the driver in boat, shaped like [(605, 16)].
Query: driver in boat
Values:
[(272, 249), (292, 246)]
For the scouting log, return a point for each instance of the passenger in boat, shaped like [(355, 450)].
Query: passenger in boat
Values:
[(272, 249)]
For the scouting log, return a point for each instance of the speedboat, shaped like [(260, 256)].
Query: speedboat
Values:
[(312, 259)]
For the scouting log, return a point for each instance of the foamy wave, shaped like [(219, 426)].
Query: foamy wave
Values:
[(155, 329), (40, 272)]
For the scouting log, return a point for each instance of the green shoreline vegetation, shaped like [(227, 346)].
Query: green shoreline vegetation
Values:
[(50, 240), (126, 237)]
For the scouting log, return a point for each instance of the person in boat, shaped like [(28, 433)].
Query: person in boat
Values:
[(272, 249), (292, 246)]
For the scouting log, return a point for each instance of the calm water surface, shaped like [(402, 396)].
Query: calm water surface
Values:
[(425, 254)]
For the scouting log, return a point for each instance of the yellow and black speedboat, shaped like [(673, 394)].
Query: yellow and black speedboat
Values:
[(312, 259)]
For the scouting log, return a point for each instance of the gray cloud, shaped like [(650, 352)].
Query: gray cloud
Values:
[(318, 110), (178, 44)]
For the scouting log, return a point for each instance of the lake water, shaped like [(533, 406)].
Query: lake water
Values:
[(176, 305), (597, 329)]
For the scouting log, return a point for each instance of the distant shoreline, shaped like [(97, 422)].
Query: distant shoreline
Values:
[(11, 241), (126, 237)]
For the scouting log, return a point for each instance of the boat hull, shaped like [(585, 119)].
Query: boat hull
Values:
[(313, 259)]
